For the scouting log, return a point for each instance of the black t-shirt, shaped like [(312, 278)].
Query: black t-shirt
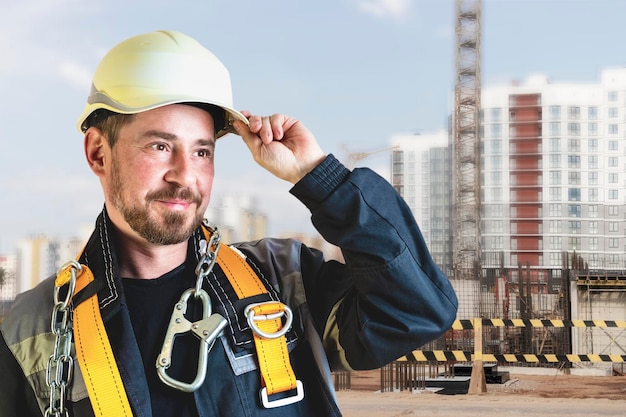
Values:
[(151, 302)]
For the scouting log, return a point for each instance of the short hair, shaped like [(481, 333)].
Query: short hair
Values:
[(110, 122)]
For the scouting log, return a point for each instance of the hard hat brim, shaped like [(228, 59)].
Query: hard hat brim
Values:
[(102, 101)]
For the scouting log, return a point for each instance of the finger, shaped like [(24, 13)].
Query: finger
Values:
[(266, 133), (277, 121)]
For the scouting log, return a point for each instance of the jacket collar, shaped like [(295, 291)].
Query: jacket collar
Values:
[(101, 256)]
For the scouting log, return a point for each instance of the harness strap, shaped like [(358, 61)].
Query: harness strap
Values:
[(97, 363), (93, 350), (276, 372)]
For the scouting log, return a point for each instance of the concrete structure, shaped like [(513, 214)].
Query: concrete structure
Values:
[(421, 168), (238, 218), (8, 290), (39, 257), (554, 171)]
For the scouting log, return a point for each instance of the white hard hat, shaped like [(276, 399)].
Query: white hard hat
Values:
[(156, 69)]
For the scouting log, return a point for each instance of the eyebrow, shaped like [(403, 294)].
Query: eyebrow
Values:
[(173, 137)]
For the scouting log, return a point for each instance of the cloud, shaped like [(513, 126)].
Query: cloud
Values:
[(394, 9)]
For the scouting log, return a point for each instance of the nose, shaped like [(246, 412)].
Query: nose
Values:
[(181, 170)]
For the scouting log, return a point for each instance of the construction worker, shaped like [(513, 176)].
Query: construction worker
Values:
[(158, 317)]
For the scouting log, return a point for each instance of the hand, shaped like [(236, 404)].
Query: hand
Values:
[(281, 144)]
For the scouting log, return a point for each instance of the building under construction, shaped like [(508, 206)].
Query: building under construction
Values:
[(535, 228)]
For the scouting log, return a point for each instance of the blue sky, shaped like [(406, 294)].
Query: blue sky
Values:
[(356, 72)]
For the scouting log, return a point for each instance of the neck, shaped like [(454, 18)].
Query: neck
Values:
[(143, 260)]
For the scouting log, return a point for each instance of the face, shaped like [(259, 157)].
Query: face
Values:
[(160, 174)]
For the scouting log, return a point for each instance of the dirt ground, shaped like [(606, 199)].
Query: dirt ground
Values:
[(522, 395)]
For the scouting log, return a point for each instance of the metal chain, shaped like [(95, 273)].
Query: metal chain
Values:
[(61, 363), (209, 257)]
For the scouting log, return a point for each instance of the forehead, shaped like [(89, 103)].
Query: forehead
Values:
[(176, 119)]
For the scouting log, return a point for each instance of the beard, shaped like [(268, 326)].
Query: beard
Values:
[(166, 229)]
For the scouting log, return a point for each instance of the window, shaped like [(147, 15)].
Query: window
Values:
[(593, 178), (593, 194), (573, 178), (593, 145), (573, 194), (573, 112), (573, 210), (555, 128), (573, 145), (593, 228), (573, 243), (593, 243), (496, 178), (593, 162), (555, 112), (592, 129), (613, 227), (612, 112), (555, 242), (573, 129), (555, 177), (555, 161), (613, 129), (593, 211), (555, 193), (555, 145), (573, 161), (496, 146), (496, 115), (613, 243), (555, 210), (555, 258), (612, 96), (613, 210), (496, 130), (613, 161), (613, 145), (592, 113), (496, 194), (573, 227), (496, 162), (555, 226), (613, 195), (613, 178)]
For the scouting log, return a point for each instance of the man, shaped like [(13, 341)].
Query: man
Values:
[(184, 326)]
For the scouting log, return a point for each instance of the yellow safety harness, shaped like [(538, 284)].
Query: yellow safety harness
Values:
[(95, 356)]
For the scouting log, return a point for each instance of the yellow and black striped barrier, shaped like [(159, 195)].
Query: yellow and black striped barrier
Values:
[(477, 324), (466, 356), (469, 324)]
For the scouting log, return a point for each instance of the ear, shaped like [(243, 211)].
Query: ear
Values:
[(95, 150)]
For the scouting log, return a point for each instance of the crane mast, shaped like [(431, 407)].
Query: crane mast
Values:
[(466, 142)]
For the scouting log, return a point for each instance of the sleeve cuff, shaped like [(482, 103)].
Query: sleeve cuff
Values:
[(321, 182)]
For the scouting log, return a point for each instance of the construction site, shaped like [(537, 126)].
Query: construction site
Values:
[(516, 315)]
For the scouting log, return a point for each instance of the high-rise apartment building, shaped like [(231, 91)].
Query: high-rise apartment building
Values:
[(554, 172), (421, 173)]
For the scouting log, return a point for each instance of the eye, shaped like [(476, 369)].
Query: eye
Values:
[(205, 153), (159, 147)]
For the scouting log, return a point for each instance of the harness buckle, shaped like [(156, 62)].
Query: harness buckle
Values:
[(267, 403), (207, 329), (280, 310)]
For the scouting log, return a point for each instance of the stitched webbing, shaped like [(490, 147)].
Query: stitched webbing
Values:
[(276, 372), (95, 357)]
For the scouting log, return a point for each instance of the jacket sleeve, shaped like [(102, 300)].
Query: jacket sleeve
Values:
[(389, 297)]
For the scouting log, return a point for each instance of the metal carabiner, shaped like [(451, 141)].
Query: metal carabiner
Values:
[(207, 329)]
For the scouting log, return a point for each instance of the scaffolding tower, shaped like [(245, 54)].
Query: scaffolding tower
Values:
[(466, 144)]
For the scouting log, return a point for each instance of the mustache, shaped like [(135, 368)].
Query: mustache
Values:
[(174, 193)]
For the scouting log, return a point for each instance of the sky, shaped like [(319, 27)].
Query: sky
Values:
[(355, 72)]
